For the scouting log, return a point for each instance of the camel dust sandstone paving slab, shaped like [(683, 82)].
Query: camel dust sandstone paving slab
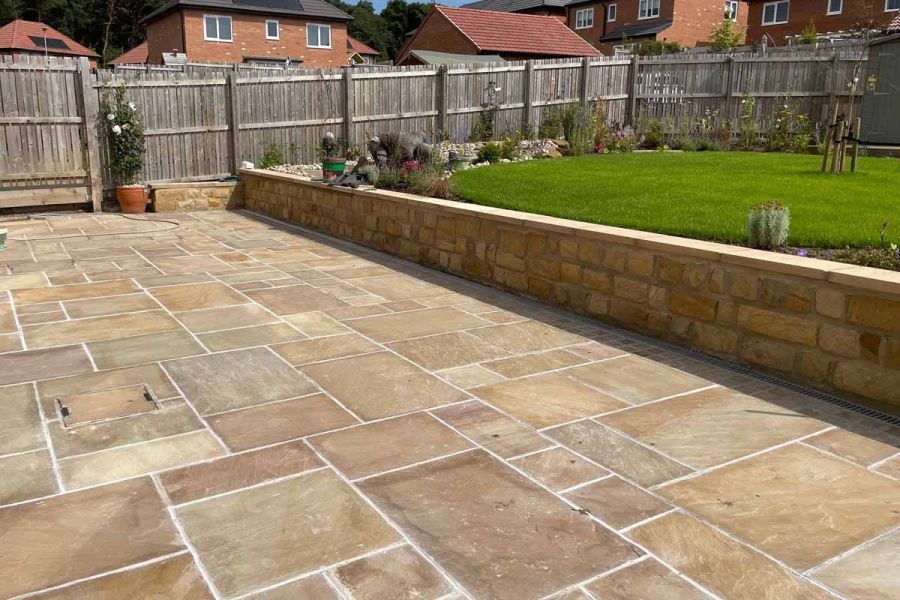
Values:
[(492, 429), (178, 265), (150, 375), (529, 336), (496, 532), (617, 453), (637, 380), (315, 350), (153, 347), (73, 292), (381, 385), (617, 502), (260, 536), (862, 449), (471, 376), (399, 287), (98, 328), (376, 447), (397, 573), (175, 578), (228, 317), (531, 364), (237, 471), (279, 421), (126, 523), (237, 379), (558, 468), (448, 350), (247, 337), (867, 574), (401, 326), (131, 461), (316, 324), (546, 400), (713, 426), (719, 563), (295, 299), (26, 476), (647, 579), (796, 503), (31, 365), (194, 296), (20, 421), (24, 281), (314, 587), (97, 307)]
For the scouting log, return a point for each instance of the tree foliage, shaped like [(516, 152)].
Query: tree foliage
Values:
[(725, 35), (110, 27)]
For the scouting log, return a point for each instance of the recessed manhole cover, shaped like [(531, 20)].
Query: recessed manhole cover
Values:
[(90, 407)]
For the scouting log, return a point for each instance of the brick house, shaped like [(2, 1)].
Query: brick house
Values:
[(312, 32), (477, 32), (778, 19), (32, 37), (608, 24), (543, 8)]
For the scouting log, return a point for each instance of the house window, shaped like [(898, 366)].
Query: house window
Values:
[(318, 36), (271, 30), (775, 13), (731, 9), (610, 12), (647, 9), (216, 29), (891, 5), (584, 18)]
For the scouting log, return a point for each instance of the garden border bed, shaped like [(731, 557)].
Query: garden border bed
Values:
[(829, 325)]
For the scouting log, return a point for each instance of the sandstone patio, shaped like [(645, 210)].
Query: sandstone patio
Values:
[(223, 407)]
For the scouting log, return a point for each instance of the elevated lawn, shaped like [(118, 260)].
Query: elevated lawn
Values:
[(703, 195)]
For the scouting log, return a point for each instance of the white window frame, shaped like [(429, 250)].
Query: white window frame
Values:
[(775, 14), (611, 8), (888, 9), (648, 9), (218, 18), (584, 18), (737, 6), (320, 27), (277, 29)]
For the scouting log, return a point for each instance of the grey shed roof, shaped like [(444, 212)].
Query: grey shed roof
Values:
[(514, 5), (301, 8), (431, 57)]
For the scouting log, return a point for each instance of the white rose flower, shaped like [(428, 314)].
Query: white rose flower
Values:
[(132, 106), (116, 129), (111, 116), (329, 135), (125, 126)]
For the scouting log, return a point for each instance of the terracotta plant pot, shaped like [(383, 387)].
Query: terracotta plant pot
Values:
[(132, 199)]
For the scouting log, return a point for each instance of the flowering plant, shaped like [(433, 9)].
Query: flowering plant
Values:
[(412, 165), (126, 138)]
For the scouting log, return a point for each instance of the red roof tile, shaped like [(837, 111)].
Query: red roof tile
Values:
[(17, 36), (136, 56), (517, 33), (354, 45)]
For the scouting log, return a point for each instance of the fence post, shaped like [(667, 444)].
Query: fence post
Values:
[(585, 73), (833, 80), (441, 100), (632, 89), (233, 117), (528, 96), (90, 108), (348, 107), (727, 84)]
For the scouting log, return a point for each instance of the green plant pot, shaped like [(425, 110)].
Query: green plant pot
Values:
[(332, 168)]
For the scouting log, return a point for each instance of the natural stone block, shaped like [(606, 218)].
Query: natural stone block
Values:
[(640, 264), (778, 325), (513, 242), (892, 354), (744, 285), (543, 267), (716, 281), (870, 345), (689, 305), (720, 340), (830, 303), (614, 258), (839, 340), (590, 252), (631, 289), (596, 280), (779, 293), (570, 273), (568, 249), (871, 311), (657, 297), (768, 354), (597, 304), (508, 260), (540, 288), (669, 270), (726, 313), (867, 380), (814, 366)]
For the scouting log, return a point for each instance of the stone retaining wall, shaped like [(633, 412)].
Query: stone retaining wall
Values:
[(830, 325), (203, 195)]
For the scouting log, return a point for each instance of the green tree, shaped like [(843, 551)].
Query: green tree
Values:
[(725, 35)]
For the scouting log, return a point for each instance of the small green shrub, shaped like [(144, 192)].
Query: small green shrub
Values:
[(725, 35), (509, 148), (708, 145), (654, 47), (391, 178), (429, 182), (768, 225), (482, 130), (272, 157), (489, 153), (748, 132), (653, 134), (370, 173)]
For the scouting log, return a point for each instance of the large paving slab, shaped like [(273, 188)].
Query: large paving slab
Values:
[(496, 532), (327, 422)]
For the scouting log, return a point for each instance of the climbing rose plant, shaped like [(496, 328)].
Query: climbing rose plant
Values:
[(126, 137)]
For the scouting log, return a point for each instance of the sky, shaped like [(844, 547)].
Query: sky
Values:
[(379, 4)]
